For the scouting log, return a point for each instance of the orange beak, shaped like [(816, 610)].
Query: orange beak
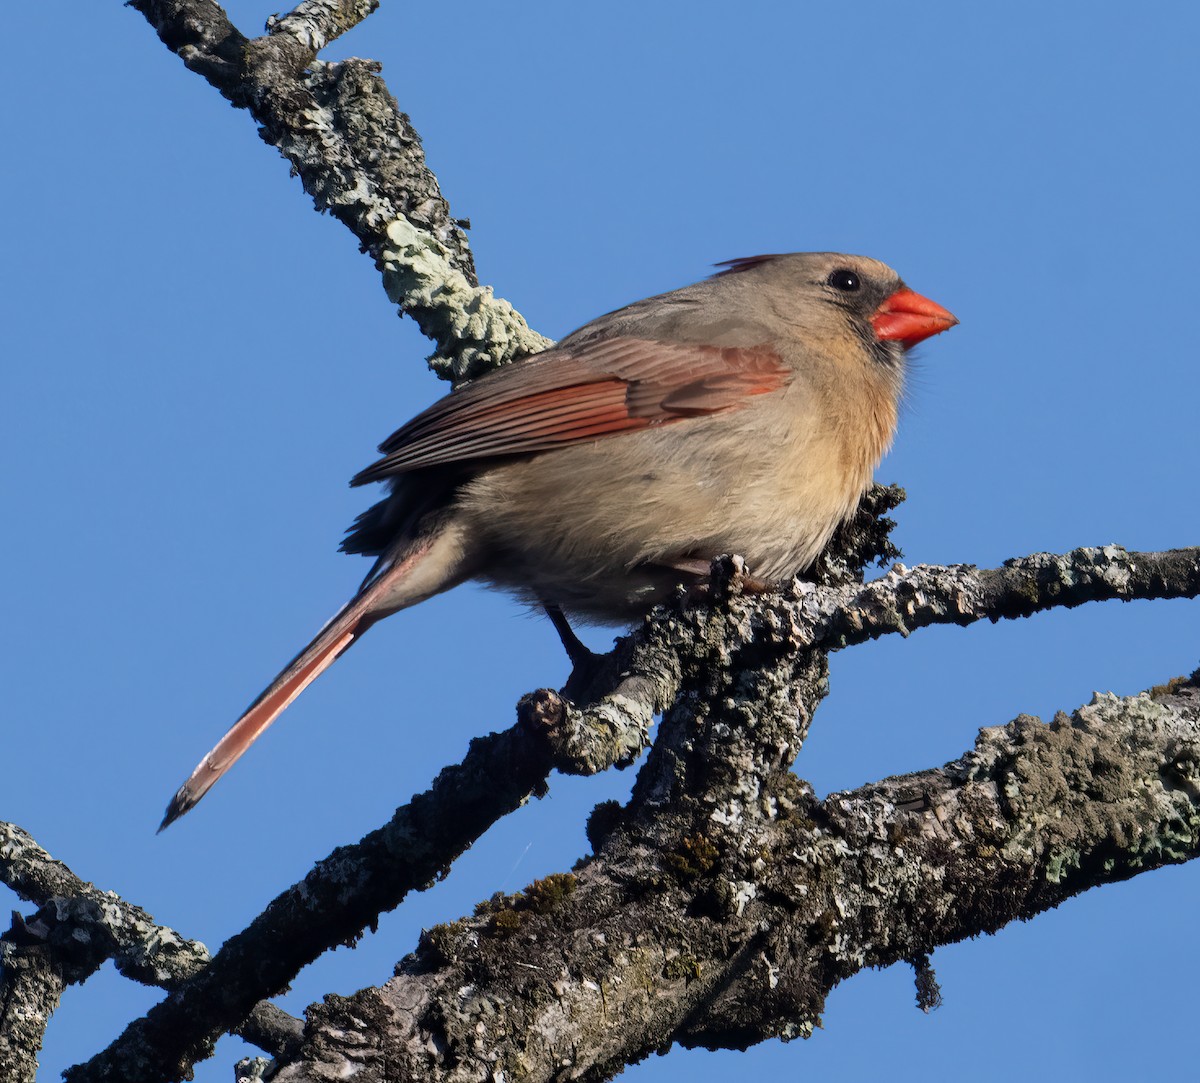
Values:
[(909, 318)]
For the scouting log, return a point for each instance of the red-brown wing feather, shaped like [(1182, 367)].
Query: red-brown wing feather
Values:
[(578, 393)]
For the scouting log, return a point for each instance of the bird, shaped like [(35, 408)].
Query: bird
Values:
[(744, 414)]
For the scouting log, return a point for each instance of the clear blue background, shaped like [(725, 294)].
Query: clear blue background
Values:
[(195, 363)]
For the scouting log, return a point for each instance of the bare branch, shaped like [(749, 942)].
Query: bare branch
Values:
[(313, 24), (32, 983), (148, 953), (76, 929), (729, 933), (646, 668), (360, 159), (342, 895), (653, 668), (907, 599)]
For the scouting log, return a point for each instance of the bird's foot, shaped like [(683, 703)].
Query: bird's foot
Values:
[(724, 576)]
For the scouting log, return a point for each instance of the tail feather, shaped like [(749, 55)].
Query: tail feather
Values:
[(334, 639), (417, 569)]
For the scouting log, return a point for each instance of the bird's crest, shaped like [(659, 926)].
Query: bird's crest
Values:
[(733, 266)]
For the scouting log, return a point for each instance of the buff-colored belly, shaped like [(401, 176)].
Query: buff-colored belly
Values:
[(590, 528)]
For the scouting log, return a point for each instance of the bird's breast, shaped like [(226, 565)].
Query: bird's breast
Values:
[(580, 525)]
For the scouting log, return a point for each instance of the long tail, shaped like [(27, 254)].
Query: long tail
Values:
[(400, 583)]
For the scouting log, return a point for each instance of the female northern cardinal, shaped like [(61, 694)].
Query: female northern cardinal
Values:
[(744, 414)]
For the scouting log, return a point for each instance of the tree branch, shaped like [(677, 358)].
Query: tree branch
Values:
[(907, 599), (651, 669), (76, 930), (360, 159), (31, 985), (722, 932), (313, 24), (646, 667)]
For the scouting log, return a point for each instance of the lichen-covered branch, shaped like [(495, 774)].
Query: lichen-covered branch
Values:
[(658, 667), (346, 892), (336, 901), (31, 985), (727, 917), (313, 24), (643, 675), (76, 929), (359, 157), (140, 949), (906, 599)]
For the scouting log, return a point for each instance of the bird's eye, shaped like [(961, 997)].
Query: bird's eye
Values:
[(846, 281)]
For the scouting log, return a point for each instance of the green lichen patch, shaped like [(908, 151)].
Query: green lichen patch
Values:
[(505, 922), (443, 942), (695, 857), (548, 894), (683, 967), (508, 913), (1175, 685)]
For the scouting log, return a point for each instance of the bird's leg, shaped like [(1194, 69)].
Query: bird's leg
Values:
[(577, 651), (589, 670)]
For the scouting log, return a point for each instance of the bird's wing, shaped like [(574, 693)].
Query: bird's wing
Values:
[(578, 393)]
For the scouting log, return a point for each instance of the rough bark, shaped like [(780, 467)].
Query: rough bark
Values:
[(724, 903), (75, 930), (739, 679), (359, 157)]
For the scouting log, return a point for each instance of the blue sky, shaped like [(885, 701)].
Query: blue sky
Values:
[(197, 363)]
